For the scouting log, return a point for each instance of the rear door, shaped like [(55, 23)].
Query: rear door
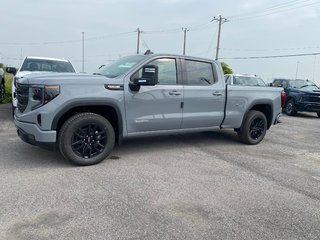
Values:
[(204, 96)]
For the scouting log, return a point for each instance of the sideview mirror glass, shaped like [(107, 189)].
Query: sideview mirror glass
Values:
[(11, 70), (149, 76)]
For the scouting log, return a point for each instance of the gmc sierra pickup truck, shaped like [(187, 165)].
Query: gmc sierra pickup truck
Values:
[(141, 95)]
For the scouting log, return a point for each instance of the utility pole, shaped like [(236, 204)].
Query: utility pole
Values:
[(83, 52), (138, 40), (185, 30), (221, 20)]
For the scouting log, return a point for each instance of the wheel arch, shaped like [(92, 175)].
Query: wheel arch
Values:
[(265, 107), (108, 110)]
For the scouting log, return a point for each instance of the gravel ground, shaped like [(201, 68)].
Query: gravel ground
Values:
[(194, 186)]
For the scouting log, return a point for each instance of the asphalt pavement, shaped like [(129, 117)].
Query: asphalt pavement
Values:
[(194, 186)]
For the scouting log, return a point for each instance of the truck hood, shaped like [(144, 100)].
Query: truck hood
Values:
[(25, 73), (308, 91), (67, 79)]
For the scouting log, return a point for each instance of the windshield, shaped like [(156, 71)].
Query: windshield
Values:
[(120, 66), (248, 81), (43, 65), (302, 84)]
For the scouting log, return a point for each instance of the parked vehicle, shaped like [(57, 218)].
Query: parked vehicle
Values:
[(301, 96), (2, 85), (140, 95), (244, 80), (37, 65)]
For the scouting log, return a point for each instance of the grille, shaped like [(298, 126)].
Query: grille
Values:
[(313, 98), (22, 96)]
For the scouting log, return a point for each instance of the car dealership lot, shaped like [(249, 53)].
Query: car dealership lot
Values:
[(194, 186)]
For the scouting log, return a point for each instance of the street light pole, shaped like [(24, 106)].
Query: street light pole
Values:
[(185, 30), (83, 52), (297, 69), (138, 40)]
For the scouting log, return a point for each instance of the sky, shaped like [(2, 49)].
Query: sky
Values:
[(256, 28)]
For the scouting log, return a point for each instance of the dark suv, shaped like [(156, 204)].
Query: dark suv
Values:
[(301, 95)]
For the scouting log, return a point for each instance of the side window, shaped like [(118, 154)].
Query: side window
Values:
[(284, 84), (167, 71), (276, 83), (199, 73)]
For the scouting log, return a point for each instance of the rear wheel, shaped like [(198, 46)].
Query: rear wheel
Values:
[(86, 139), (254, 128), (290, 108)]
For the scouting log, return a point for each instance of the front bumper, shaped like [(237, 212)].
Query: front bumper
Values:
[(308, 107), (32, 134)]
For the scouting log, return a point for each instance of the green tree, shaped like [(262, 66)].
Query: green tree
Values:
[(226, 68)]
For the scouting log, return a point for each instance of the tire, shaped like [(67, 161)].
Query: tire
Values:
[(290, 108), (253, 128), (318, 113), (86, 139), (2, 91)]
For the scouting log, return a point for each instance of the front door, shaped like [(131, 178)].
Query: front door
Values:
[(156, 108)]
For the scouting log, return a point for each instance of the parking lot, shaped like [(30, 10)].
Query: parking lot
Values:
[(194, 186)]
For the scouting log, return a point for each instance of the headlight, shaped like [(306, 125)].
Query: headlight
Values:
[(41, 95)]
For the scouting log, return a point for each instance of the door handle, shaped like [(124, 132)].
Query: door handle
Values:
[(174, 93), (217, 94)]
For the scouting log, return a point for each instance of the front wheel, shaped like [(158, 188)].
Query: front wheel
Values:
[(86, 139), (253, 128), (291, 108)]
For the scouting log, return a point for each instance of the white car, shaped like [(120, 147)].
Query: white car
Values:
[(244, 80), (38, 65)]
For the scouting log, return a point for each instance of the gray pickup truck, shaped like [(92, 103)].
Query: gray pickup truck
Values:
[(141, 95)]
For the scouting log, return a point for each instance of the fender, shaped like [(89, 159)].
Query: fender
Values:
[(260, 102), (88, 102)]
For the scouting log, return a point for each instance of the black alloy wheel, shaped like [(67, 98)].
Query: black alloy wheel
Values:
[(257, 128), (89, 140), (86, 139), (254, 128)]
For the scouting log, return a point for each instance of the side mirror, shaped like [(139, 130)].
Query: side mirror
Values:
[(11, 70), (149, 76)]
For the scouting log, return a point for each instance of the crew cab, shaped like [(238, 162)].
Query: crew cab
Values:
[(37, 65), (301, 95), (142, 95)]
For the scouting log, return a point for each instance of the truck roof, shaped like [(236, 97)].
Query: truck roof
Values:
[(47, 58), (179, 56)]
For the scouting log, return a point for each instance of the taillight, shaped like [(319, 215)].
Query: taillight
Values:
[(283, 98)]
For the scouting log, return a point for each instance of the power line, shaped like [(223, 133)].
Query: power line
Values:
[(266, 49), (273, 7), (274, 56), (273, 12), (67, 41)]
